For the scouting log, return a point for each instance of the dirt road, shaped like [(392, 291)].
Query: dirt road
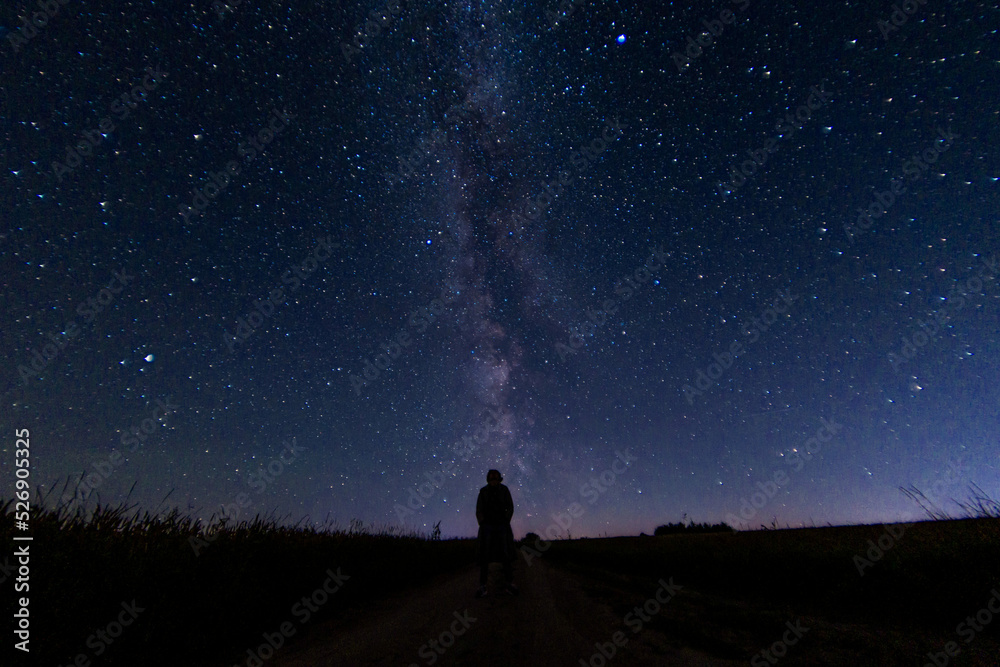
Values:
[(558, 619)]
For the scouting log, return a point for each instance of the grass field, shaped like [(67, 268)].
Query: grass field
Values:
[(203, 596), (876, 588), (206, 596), (942, 565)]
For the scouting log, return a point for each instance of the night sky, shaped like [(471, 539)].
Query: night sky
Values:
[(379, 256)]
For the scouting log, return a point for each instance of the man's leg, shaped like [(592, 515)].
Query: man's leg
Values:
[(510, 551), (484, 554), (508, 561)]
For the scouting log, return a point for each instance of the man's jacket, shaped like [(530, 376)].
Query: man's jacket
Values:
[(494, 507)]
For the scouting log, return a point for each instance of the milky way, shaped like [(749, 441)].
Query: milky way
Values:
[(495, 256)]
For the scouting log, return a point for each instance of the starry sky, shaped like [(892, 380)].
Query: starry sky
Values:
[(728, 261)]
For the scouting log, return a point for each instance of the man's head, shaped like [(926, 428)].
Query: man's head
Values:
[(493, 477)]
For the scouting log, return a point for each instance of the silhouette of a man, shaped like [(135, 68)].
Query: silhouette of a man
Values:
[(494, 509)]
